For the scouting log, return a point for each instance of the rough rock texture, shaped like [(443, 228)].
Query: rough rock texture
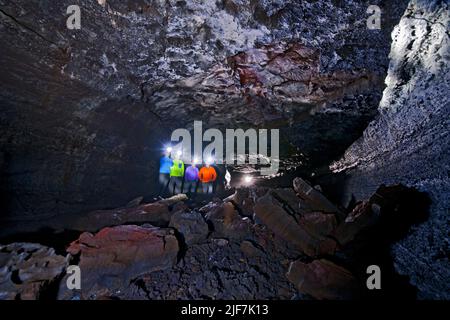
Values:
[(113, 257), (290, 230), (409, 142), (190, 225), (80, 123), (323, 279), (279, 247), (28, 271)]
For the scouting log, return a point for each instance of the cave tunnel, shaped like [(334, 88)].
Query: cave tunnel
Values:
[(92, 91)]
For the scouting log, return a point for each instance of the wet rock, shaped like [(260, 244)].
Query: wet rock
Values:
[(28, 270), (323, 279), (110, 259), (190, 225)]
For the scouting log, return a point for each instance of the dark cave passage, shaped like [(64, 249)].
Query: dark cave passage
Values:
[(362, 180)]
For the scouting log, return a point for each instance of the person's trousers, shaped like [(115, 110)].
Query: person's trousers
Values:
[(175, 185), (190, 187), (207, 187), (164, 179)]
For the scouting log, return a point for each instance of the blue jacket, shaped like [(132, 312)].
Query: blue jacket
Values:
[(164, 165)]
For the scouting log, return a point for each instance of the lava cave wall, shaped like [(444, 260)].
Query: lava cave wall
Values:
[(409, 142), (83, 112)]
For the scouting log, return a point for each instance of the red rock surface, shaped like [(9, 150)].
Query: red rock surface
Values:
[(285, 226), (155, 213), (114, 256), (323, 279)]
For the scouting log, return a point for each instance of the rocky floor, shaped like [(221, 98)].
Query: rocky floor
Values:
[(258, 243)]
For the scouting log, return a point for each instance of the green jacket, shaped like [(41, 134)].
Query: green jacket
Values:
[(177, 170)]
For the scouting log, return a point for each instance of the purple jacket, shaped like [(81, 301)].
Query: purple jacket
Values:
[(191, 174)]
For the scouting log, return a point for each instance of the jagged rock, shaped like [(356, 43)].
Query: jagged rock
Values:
[(174, 199), (323, 279), (221, 242), (190, 225), (242, 200), (135, 202), (408, 142), (313, 198), (361, 217), (286, 227), (210, 270), (227, 223), (288, 199), (100, 150), (249, 249), (156, 213), (27, 270), (319, 223), (110, 259)]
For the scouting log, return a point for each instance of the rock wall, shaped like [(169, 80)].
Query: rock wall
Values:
[(80, 127), (409, 142)]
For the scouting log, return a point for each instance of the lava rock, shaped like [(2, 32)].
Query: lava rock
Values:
[(286, 227), (190, 225), (28, 270), (323, 279), (156, 213), (408, 142), (227, 223), (110, 259), (314, 199), (319, 223)]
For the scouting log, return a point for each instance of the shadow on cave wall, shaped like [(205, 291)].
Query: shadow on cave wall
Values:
[(405, 208)]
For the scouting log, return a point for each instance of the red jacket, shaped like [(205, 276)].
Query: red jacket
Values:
[(207, 174)]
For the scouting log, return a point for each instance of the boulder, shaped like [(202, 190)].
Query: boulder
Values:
[(227, 223), (190, 225), (156, 213), (314, 199), (363, 215), (323, 279), (243, 201), (250, 250), (110, 259), (288, 199), (174, 199), (286, 227), (27, 270), (319, 223)]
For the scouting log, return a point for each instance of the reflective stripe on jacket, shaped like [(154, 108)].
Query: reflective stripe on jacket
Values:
[(177, 169)]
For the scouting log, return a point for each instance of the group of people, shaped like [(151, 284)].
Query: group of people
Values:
[(174, 178)]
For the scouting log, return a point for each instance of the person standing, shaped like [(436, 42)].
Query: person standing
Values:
[(191, 179), (165, 163), (176, 174), (207, 176)]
